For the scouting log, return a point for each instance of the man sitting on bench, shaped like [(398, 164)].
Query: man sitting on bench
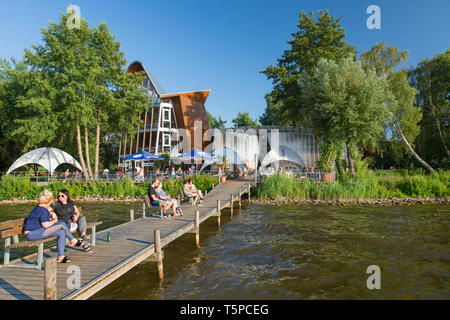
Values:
[(156, 201)]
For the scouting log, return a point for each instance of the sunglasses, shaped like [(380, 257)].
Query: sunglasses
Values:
[(61, 196)]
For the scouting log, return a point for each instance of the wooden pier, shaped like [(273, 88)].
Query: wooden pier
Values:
[(131, 243)]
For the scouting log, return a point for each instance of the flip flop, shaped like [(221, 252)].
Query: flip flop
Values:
[(64, 260), (85, 237), (88, 249), (79, 243)]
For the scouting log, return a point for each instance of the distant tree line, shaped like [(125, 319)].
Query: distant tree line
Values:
[(361, 104)]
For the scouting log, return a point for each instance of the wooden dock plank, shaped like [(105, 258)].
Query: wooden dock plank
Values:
[(131, 243)]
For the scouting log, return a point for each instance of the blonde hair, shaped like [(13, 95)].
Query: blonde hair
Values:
[(45, 197)]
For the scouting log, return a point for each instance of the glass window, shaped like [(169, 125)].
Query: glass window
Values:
[(166, 115)]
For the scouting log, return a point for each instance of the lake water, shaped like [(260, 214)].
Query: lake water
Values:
[(291, 252)]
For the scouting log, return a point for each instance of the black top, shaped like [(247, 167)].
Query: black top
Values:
[(151, 191), (64, 212)]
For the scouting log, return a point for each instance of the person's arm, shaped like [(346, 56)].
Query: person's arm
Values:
[(53, 215), (45, 219), (77, 212)]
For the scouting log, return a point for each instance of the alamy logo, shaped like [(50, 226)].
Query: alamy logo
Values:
[(374, 21), (74, 280), (374, 281), (73, 17)]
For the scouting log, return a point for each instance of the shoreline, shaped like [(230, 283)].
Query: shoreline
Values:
[(383, 202), (278, 201)]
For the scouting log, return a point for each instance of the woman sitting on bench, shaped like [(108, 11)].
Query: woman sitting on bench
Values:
[(40, 224), (191, 191), (66, 211)]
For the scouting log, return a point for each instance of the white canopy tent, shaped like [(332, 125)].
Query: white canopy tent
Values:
[(284, 154), (231, 156), (48, 157)]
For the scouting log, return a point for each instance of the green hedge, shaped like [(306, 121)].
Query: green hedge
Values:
[(21, 187)]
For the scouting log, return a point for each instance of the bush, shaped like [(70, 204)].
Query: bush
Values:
[(20, 186), (366, 185)]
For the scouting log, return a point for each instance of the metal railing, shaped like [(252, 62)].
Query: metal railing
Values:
[(316, 175)]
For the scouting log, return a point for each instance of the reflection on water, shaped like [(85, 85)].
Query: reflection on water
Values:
[(317, 252)]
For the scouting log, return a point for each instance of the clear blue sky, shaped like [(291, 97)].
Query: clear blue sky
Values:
[(222, 45)]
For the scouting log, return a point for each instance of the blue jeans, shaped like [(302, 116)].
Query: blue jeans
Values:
[(59, 230)]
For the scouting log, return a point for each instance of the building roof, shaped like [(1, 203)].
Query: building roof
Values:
[(137, 66), (200, 95)]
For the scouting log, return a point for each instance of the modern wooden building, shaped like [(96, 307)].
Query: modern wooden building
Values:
[(166, 113)]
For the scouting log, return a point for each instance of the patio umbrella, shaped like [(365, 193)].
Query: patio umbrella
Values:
[(143, 155), (195, 155), (229, 154)]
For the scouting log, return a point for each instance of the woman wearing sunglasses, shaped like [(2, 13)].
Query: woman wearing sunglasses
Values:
[(66, 211), (43, 224)]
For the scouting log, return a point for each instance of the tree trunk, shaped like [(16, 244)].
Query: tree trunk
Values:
[(351, 162), (97, 149), (86, 149), (338, 165), (438, 125), (80, 152), (422, 162)]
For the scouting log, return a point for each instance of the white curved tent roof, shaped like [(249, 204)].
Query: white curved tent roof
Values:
[(284, 154), (47, 157), (230, 155)]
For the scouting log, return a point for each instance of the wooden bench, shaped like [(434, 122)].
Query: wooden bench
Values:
[(146, 203), (182, 197), (12, 228)]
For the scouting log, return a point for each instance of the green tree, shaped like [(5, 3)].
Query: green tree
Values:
[(385, 61), (345, 104), (431, 80), (323, 38), (26, 110), (243, 119), (271, 115), (214, 122), (87, 69)]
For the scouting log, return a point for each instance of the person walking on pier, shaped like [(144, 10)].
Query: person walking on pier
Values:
[(41, 224)]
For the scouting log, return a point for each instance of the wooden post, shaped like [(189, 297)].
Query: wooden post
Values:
[(218, 213), (7, 253), (143, 208), (197, 228), (131, 215), (40, 256), (231, 204), (143, 134), (248, 191), (240, 195), (159, 263), (206, 193), (50, 278), (93, 235)]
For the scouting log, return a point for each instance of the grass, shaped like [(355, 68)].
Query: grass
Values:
[(368, 185)]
